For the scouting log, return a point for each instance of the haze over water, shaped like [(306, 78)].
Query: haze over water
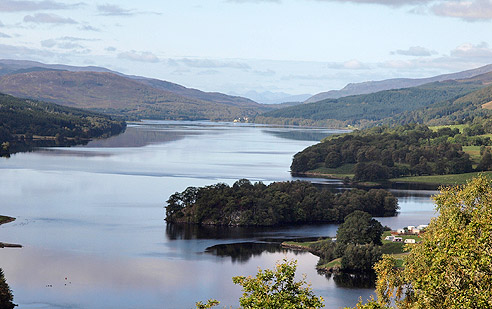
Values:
[(91, 218)]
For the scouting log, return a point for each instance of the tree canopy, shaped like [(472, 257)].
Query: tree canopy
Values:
[(452, 267), (289, 202), (274, 289)]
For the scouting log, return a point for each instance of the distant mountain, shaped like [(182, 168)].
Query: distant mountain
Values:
[(395, 83), (103, 90), (389, 106), (268, 97)]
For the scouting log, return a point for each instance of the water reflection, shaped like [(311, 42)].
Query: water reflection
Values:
[(303, 134), (242, 252), (355, 281)]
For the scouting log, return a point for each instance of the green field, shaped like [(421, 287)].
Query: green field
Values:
[(452, 179), (451, 126)]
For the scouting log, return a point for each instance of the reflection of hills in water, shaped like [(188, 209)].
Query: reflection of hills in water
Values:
[(355, 281), (138, 137), (242, 252), (193, 231), (303, 135)]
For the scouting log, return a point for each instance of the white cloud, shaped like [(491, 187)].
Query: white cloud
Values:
[(471, 51), (27, 5), (469, 10), (208, 63), (393, 3), (4, 35), (417, 51), (144, 56), (114, 10), (48, 19)]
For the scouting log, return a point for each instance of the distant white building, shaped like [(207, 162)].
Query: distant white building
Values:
[(409, 241), (411, 228), (400, 231), (398, 239), (422, 226), (390, 238)]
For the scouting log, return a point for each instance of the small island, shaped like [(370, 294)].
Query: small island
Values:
[(289, 202)]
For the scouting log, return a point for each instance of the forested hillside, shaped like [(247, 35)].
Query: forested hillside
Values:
[(418, 104), (382, 152), (26, 123)]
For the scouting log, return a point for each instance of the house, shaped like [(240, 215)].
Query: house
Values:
[(411, 228), (409, 241), (422, 226), (398, 239), (400, 231), (390, 238)]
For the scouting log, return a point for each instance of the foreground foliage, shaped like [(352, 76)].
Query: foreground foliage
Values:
[(452, 267), (274, 289), (288, 202)]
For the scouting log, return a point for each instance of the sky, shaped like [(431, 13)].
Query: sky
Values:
[(236, 46)]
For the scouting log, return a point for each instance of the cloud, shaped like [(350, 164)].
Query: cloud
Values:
[(44, 18), (67, 42), (253, 1), (264, 73), (27, 5), (470, 10), (417, 51), (350, 64), (139, 56), (110, 49), (393, 3), (114, 10), (211, 64), (4, 35), (89, 28), (470, 51), (208, 72)]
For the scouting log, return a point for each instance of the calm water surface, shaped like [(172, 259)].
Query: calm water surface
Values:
[(91, 218)]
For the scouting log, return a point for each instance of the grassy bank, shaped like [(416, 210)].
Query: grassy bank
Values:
[(452, 179)]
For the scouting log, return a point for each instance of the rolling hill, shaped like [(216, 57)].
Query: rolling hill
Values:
[(395, 83), (111, 92), (389, 106)]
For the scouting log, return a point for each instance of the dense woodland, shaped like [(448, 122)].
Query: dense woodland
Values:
[(383, 152), (434, 103), (257, 204), (28, 123)]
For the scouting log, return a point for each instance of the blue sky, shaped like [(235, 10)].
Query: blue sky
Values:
[(234, 46)]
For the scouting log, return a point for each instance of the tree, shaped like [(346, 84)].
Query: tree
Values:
[(452, 267), (274, 289), (6, 296), (359, 228)]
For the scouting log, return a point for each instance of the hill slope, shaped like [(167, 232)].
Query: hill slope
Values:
[(380, 107), (25, 123), (111, 93), (395, 83)]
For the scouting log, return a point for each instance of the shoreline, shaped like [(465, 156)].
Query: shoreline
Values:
[(5, 220)]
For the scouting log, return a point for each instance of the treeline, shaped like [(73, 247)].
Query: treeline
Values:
[(390, 106), (25, 123), (257, 204), (383, 152)]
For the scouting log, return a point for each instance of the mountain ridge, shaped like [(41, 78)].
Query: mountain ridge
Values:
[(395, 83)]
